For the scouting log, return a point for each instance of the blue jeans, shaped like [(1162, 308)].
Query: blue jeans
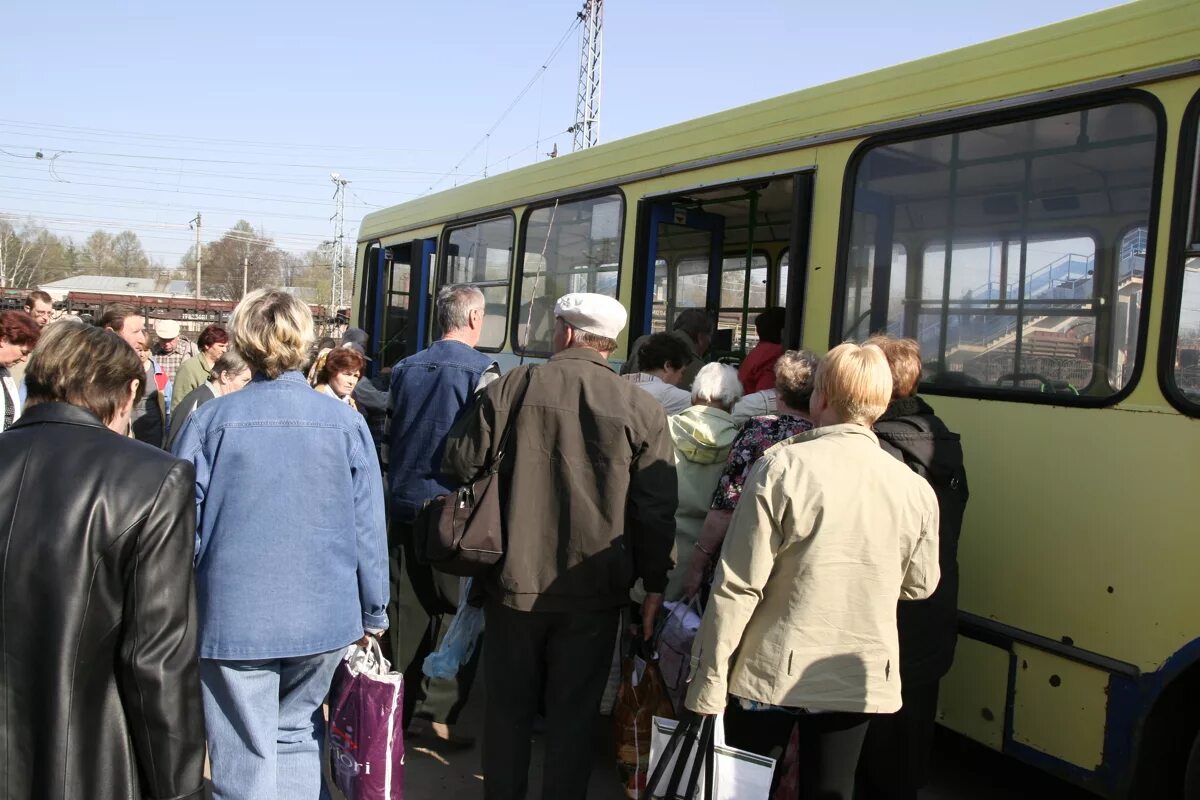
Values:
[(265, 726)]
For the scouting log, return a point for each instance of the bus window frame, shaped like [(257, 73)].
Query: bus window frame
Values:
[(443, 253), (519, 254), (1037, 111), (1186, 206)]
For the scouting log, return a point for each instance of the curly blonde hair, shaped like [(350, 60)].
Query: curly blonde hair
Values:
[(272, 330)]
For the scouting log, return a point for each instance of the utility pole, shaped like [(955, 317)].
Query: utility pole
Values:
[(338, 295), (587, 101), (245, 274), (199, 254)]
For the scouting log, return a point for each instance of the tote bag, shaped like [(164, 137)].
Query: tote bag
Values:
[(692, 762), (366, 734)]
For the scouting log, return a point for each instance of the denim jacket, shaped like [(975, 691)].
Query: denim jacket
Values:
[(291, 544)]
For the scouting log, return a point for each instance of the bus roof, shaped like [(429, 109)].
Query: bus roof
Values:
[(1132, 38)]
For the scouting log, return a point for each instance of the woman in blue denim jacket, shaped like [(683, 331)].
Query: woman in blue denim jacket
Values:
[(291, 555)]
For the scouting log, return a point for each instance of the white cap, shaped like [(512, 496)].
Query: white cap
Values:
[(166, 329), (598, 314)]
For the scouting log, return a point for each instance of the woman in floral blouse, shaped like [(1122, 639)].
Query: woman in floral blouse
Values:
[(793, 383)]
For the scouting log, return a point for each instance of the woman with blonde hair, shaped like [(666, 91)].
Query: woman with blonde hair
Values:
[(800, 630), (286, 578)]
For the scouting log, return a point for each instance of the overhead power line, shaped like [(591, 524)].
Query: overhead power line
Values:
[(150, 186), (6, 147), (138, 135), (71, 168), (504, 115)]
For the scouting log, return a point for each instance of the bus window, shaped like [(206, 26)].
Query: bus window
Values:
[(395, 310), (1184, 373), (481, 255), (1131, 273), (781, 287), (568, 247), (743, 297), (1040, 289)]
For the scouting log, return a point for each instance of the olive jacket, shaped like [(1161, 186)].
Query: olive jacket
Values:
[(587, 484)]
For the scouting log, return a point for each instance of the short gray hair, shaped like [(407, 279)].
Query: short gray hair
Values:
[(454, 305), (695, 322), (231, 361), (717, 384)]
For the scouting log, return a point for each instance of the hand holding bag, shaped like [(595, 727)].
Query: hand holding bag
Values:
[(462, 533)]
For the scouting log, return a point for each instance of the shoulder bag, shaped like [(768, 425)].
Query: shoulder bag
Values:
[(462, 533)]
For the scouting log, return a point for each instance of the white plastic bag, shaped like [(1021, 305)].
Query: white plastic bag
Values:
[(675, 637), (737, 774)]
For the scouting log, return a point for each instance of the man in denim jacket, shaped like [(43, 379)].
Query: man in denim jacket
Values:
[(429, 392), (291, 555)]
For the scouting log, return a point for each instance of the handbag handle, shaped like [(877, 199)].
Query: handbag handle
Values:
[(700, 730)]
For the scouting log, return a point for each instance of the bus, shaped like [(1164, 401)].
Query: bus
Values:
[(1026, 209)]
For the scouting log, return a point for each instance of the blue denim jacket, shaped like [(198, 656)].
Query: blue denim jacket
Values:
[(291, 543)]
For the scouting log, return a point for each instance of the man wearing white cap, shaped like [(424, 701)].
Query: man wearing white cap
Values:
[(170, 349), (589, 495)]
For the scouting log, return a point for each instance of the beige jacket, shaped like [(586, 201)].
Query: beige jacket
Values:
[(831, 531)]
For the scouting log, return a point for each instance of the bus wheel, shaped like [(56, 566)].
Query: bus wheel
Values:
[(1191, 773)]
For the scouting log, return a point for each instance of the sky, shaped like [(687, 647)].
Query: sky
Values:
[(146, 113)]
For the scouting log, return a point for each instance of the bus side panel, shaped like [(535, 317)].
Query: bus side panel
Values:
[(1059, 707), (1081, 524), (974, 694)]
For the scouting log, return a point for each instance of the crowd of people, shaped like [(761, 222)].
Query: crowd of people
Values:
[(810, 506)]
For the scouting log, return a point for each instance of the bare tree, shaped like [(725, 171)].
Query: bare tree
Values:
[(128, 258), (240, 257)]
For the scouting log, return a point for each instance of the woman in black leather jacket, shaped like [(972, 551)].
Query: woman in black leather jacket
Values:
[(99, 688)]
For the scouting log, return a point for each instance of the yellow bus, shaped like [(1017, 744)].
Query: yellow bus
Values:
[(1027, 210)]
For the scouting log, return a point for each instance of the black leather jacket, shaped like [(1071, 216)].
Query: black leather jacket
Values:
[(928, 629), (99, 685)]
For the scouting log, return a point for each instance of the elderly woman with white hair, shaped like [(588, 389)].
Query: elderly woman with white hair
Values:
[(703, 435), (800, 630), (286, 577)]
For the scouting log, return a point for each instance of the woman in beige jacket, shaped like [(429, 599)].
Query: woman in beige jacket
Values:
[(801, 626)]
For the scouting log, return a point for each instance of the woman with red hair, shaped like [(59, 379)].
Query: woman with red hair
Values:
[(340, 373), (196, 370), (18, 334)]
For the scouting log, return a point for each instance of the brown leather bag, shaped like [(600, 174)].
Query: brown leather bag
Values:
[(462, 533)]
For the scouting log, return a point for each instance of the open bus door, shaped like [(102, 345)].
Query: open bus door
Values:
[(729, 250), (682, 266), (396, 296)]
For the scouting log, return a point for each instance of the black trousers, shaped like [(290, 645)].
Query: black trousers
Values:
[(563, 656), (422, 606), (830, 744), (895, 757)]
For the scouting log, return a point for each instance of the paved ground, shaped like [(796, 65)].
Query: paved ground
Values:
[(963, 770)]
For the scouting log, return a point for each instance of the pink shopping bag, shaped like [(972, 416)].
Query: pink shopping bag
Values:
[(366, 737)]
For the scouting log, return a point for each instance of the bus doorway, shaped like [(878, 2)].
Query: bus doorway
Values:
[(396, 300), (727, 250)]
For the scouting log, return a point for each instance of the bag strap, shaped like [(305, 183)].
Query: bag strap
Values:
[(510, 423), (697, 733)]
